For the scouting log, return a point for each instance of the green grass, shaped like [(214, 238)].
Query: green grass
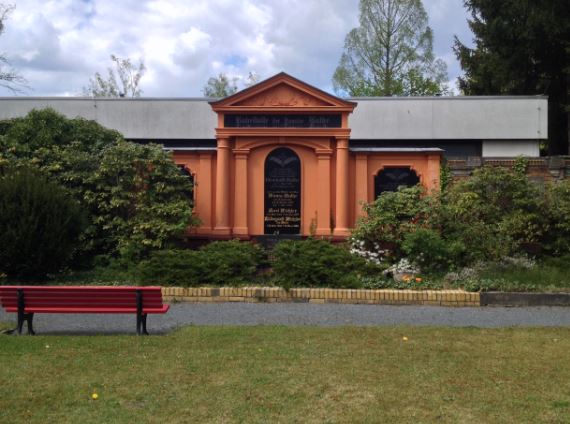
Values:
[(549, 275), (289, 374)]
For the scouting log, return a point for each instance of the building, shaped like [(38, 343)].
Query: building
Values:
[(283, 157)]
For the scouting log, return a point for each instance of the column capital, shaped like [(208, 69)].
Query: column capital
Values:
[(323, 153), (223, 142), (342, 143), (241, 153)]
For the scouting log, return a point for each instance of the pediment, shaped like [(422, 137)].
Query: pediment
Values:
[(282, 91), (283, 95)]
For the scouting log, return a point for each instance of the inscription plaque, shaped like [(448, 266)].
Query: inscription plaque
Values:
[(282, 192), (282, 121)]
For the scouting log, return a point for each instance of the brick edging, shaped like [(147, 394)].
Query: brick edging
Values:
[(345, 296)]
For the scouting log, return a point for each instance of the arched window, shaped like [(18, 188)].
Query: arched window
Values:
[(389, 179)]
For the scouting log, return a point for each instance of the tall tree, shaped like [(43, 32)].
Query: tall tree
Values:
[(9, 78), (521, 47), (390, 53), (220, 86), (127, 84)]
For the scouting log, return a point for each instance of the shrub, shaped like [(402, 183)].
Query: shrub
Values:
[(218, 263), (315, 263), (40, 225), (135, 196), (494, 213), (427, 249), (557, 240), (388, 219)]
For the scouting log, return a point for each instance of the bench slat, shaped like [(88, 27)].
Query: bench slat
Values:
[(99, 310)]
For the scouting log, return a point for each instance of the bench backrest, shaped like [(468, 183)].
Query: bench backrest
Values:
[(80, 296)]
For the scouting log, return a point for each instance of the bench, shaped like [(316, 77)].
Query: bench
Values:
[(29, 300)]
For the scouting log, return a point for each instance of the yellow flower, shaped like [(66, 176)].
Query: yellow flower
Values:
[(94, 396), (405, 338), (406, 278)]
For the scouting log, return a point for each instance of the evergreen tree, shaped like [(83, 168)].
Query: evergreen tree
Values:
[(521, 47)]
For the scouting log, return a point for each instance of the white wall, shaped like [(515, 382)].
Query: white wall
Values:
[(501, 148)]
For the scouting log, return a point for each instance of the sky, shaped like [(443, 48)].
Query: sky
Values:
[(57, 45)]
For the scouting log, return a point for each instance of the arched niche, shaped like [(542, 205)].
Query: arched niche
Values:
[(282, 192), (390, 179)]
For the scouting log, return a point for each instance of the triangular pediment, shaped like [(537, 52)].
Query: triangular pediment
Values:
[(282, 91), (283, 95)]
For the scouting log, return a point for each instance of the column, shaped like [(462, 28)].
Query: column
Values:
[(324, 192), (222, 226), (342, 206), (241, 189), (361, 184), (203, 191), (433, 171)]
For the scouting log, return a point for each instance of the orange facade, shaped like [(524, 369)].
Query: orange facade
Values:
[(232, 183)]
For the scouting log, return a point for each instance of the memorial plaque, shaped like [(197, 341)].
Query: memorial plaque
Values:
[(390, 179), (232, 120), (282, 192)]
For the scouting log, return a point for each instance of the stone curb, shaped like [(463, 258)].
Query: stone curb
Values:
[(343, 296), (524, 299)]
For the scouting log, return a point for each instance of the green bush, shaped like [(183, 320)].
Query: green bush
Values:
[(135, 196), (557, 241), (315, 263), (40, 225), (218, 263), (393, 215), (495, 213), (427, 249)]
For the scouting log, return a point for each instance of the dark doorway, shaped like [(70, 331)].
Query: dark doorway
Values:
[(389, 179), (282, 192)]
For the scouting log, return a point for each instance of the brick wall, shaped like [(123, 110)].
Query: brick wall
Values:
[(544, 169)]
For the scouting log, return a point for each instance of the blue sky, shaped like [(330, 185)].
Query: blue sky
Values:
[(58, 45)]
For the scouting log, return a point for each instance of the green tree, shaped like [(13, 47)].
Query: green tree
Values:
[(521, 47), (136, 197), (220, 86), (390, 53), (9, 78), (127, 84), (40, 224)]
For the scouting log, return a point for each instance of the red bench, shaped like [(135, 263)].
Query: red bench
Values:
[(29, 300)]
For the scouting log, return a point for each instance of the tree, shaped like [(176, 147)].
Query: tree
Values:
[(136, 198), (40, 224), (9, 78), (390, 53), (127, 85), (521, 47), (252, 79), (220, 86)]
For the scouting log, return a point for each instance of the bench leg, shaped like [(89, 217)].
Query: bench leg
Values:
[(30, 320), (21, 317), (144, 325), (141, 325)]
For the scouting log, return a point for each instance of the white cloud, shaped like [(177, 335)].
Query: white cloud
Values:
[(59, 44)]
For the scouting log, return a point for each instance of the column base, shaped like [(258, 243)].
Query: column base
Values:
[(222, 231), (241, 231), (341, 232), (326, 232)]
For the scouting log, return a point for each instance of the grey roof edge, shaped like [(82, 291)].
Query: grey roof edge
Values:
[(397, 149), (411, 98), (109, 99), (210, 99)]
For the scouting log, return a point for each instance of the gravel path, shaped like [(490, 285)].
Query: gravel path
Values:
[(181, 314)]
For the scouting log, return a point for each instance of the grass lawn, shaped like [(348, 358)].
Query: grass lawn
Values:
[(289, 374)]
